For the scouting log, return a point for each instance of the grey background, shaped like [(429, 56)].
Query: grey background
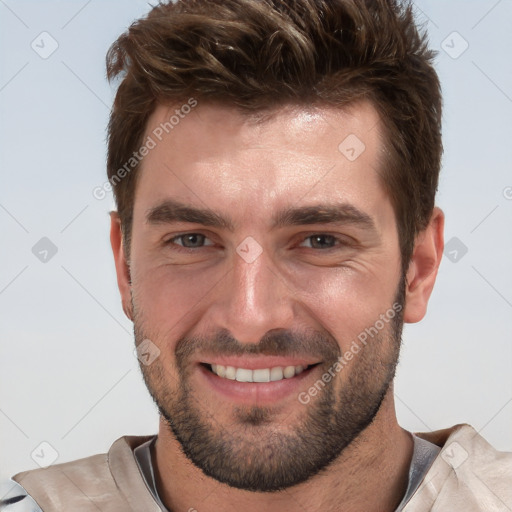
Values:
[(68, 376)]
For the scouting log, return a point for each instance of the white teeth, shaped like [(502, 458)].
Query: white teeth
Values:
[(289, 372), (276, 373), (230, 372), (259, 375), (243, 375)]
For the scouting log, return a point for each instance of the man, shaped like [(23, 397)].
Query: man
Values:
[(275, 165)]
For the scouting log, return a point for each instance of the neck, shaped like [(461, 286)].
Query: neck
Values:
[(371, 474)]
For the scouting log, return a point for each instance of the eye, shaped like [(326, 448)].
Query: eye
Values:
[(321, 241), (190, 240)]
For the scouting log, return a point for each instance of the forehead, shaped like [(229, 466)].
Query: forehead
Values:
[(209, 126), (217, 156)]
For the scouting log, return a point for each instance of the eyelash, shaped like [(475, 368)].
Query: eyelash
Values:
[(338, 241)]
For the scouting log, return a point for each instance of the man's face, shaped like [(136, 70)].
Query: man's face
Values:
[(297, 257)]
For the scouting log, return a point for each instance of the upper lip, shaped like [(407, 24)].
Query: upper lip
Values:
[(258, 362)]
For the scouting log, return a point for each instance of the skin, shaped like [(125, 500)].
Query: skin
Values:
[(218, 159)]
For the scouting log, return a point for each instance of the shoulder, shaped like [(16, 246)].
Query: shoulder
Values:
[(463, 449), (14, 498), (468, 473), (83, 484)]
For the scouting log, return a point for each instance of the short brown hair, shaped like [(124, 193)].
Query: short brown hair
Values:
[(258, 55)]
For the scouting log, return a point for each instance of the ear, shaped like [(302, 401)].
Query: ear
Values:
[(423, 267), (122, 266)]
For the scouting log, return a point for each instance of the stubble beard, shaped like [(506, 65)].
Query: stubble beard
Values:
[(252, 452)]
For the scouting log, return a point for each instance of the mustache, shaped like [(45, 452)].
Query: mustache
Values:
[(277, 342)]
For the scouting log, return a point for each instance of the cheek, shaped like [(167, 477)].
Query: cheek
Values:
[(170, 296), (345, 301)]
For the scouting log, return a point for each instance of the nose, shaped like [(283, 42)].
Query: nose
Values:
[(252, 299)]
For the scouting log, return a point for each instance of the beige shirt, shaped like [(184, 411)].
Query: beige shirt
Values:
[(469, 475)]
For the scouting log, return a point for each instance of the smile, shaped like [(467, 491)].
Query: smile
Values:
[(251, 381), (274, 374)]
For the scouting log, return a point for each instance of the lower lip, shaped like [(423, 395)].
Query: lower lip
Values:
[(255, 392)]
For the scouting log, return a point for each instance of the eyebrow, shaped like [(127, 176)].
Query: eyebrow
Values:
[(171, 211)]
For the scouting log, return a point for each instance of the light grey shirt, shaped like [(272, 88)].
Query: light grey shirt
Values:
[(424, 454), (13, 498)]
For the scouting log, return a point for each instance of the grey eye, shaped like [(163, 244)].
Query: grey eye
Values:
[(321, 241)]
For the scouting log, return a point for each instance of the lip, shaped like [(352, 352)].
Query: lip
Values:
[(254, 393)]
